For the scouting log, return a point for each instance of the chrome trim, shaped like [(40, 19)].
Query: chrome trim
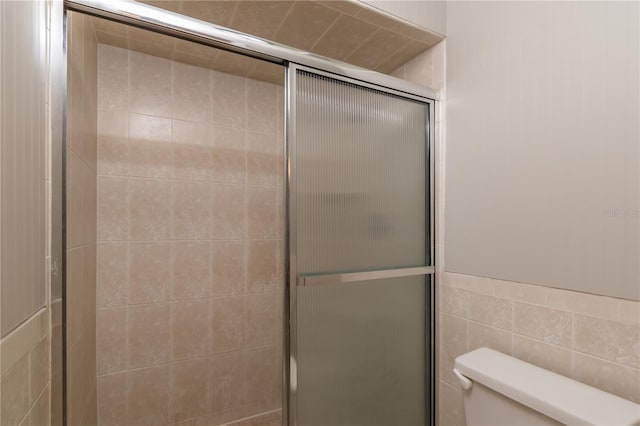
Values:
[(369, 85), (63, 207), (430, 292), (432, 380), (349, 277), (291, 413), (171, 23), (286, 341)]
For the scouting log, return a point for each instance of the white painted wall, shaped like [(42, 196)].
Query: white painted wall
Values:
[(543, 144), (428, 14), (23, 53)]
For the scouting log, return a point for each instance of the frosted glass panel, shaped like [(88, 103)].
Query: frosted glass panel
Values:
[(361, 197), (361, 353), (361, 177)]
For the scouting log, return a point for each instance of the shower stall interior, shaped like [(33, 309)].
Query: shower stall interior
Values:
[(249, 230)]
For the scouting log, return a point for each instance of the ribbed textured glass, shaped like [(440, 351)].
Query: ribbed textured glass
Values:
[(361, 177), (361, 199)]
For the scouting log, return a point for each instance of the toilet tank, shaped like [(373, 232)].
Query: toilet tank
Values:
[(502, 390)]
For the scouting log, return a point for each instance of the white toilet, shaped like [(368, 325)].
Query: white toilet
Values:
[(502, 390)]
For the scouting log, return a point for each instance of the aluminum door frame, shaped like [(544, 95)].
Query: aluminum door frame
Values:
[(293, 279)]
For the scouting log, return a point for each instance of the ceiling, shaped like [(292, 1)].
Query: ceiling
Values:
[(345, 30)]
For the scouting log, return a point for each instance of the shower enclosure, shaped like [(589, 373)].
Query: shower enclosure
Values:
[(262, 238), (359, 249)]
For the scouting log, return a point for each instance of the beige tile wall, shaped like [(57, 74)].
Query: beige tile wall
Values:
[(24, 370), (593, 339), (426, 68), (190, 245), (81, 221)]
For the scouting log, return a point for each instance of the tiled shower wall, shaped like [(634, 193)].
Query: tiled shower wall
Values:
[(190, 240), (81, 221)]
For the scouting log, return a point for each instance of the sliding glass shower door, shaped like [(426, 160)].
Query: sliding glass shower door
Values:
[(360, 254)]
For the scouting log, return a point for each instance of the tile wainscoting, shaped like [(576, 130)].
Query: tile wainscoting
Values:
[(592, 339), (25, 373)]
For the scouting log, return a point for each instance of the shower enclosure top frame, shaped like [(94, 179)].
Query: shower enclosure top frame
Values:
[(167, 22)]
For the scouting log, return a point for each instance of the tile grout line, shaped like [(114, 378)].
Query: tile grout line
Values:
[(193, 358)]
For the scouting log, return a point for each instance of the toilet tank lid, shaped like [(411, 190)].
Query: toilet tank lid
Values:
[(563, 399)]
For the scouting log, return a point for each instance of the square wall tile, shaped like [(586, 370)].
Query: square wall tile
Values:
[(112, 400), (262, 107), (149, 210), (112, 274), (451, 409), (542, 323), (193, 150), (454, 301), (265, 162), (227, 323), (483, 336), (191, 210), (608, 376), (492, 311), (14, 400), (543, 355), (113, 142), (150, 84), (228, 263), (149, 335), (190, 267), (189, 389), (229, 102), (264, 378), (112, 341), (150, 150), (148, 396), (453, 342), (113, 202), (229, 155), (263, 266), (612, 340), (229, 211), (262, 212), (227, 379), (190, 328), (191, 93), (113, 78), (263, 320), (149, 272)]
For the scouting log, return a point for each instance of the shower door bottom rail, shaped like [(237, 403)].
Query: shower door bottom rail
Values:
[(332, 278)]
